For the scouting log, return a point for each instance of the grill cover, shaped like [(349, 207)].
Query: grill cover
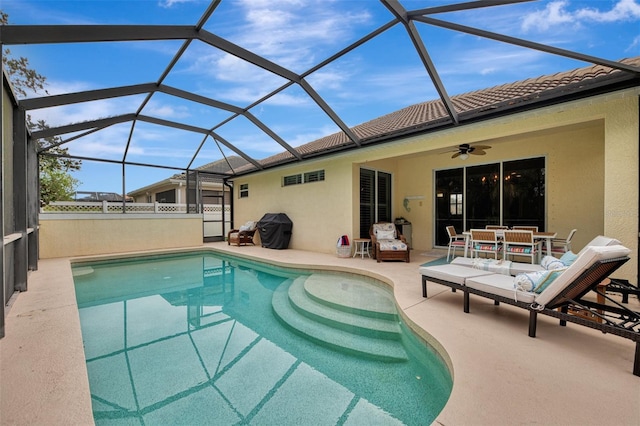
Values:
[(275, 230)]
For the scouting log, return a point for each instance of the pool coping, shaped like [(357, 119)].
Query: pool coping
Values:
[(501, 376)]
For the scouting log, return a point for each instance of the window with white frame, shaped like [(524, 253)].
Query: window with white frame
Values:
[(307, 177), (243, 192)]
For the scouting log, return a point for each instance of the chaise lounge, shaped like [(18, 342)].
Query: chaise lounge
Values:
[(555, 293)]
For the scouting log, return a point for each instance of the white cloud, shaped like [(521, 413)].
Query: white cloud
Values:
[(303, 138), (554, 14), (167, 4), (294, 34), (557, 14), (624, 10), (162, 110)]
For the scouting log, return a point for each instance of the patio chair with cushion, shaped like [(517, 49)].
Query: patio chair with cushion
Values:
[(546, 263), (524, 228), (521, 243), (560, 246), (455, 240), (484, 241), (558, 293), (243, 235), (387, 244)]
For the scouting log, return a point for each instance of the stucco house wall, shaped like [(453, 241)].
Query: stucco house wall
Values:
[(591, 147)]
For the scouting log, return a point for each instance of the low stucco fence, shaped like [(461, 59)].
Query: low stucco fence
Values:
[(66, 235)]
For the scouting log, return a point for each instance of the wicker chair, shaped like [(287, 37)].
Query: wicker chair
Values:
[(242, 236), (387, 244)]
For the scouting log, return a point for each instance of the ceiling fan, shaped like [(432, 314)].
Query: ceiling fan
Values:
[(465, 149)]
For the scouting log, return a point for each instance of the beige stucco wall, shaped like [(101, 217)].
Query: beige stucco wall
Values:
[(591, 147), (320, 211), (63, 235), (569, 204)]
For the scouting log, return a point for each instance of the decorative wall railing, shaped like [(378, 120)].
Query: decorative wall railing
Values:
[(119, 207)]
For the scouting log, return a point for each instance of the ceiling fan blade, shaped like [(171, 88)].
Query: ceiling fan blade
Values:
[(456, 155), (481, 146), (477, 152)]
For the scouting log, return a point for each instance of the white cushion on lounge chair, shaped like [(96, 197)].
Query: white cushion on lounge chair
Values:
[(524, 268), (453, 273), (585, 260), (501, 285), (601, 241), (515, 268), (462, 261)]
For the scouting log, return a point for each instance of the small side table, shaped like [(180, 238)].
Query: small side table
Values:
[(362, 247)]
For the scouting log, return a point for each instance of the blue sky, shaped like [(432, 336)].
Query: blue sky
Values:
[(382, 76)]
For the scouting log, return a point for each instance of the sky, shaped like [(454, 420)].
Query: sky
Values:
[(382, 76)]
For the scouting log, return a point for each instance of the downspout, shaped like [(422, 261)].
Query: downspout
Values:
[(225, 182)]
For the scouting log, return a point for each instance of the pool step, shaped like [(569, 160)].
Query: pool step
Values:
[(351, 295), (352, 320), (371, 337)]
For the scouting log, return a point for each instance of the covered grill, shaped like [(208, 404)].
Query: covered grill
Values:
[(275, 230)]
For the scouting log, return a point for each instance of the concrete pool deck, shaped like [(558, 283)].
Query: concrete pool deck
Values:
[(565, 376)]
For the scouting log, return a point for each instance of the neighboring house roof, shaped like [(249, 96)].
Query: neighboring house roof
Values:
[(481, 104), (211, 172)]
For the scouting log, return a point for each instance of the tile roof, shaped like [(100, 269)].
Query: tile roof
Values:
[(219, 167), (494, 100)]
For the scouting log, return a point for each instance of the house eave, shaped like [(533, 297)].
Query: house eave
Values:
[(513, 106)]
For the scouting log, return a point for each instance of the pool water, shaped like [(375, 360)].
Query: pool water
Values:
[(206, 339)]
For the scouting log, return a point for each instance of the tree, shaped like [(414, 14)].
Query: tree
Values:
[(56, 182)]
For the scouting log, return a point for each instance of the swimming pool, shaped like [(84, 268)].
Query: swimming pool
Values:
[(203, 338)]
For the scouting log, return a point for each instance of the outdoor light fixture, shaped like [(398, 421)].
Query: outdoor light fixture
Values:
[(463, 156)]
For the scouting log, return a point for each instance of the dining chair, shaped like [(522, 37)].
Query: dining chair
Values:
[(484, 241), (525, 228), (521, 243), (496, 227), (455, 240), (560, 246)]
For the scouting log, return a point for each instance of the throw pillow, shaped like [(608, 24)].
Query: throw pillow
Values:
[(568, 258), (385, 235), (551, 263), (551, 276), (535, 282), (248, 226), (528, 281)]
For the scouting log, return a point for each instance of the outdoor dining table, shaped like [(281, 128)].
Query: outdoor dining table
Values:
[(547, 236)]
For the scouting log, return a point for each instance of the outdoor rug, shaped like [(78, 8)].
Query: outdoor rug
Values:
[(439, 261)]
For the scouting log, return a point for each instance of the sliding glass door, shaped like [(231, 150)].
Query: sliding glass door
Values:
[(524, 192), (483, 196), (449, 203), (508, 193)]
